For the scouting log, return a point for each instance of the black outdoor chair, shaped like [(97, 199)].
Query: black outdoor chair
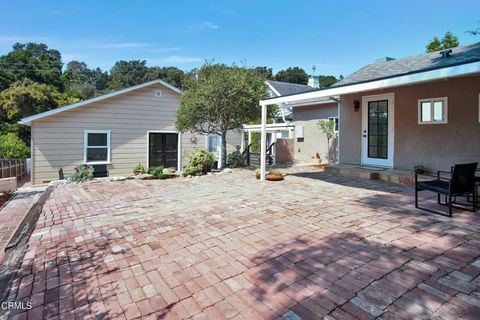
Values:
[(461, 182)]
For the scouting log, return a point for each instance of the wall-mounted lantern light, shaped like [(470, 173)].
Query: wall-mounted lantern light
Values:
[(356, 105)]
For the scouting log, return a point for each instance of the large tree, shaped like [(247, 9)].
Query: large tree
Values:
[(292, 75), (171, 75), (221, 98), (32, 61), (264, 72), (127, 73), (24, 98), (84, 83), (448, 41), (327, 81)]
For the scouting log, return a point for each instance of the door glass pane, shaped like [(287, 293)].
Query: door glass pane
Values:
[(213, 143), (163, 149), (97, 139), (378, 129), (438, 111), (97, 154), (426, 111)]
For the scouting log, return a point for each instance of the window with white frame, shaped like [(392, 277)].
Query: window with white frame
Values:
[(96, 146), (433, 110), (334, 119)]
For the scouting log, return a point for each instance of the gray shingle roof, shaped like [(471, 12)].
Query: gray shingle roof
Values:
[(423, 62), (285, 88)]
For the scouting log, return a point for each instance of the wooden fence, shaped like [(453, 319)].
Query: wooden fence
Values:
[(13, 168)]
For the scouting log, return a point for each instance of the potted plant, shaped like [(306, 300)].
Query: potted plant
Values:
[(257, 173), (138, 169), (275, 175), (419, 169)]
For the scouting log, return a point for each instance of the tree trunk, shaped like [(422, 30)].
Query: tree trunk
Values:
[(224, 150)]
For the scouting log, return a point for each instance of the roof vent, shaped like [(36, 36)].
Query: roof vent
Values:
[(384, 59), (158, 93), (446, 53)]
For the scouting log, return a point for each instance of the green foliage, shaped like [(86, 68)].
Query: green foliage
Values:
[(171, 75), (292, 75), (235, 159), (157, 172), (84, 83), (26, 97), (190, 171), (201, 159), (139, 169), (220, 98), (32, 61), (127, 73), (448, 41), (11, 147), (419, 169), (327, 81), (82, 173), (327, 127), (263, 72)]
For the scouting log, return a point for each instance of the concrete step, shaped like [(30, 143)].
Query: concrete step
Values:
[(389, 175)]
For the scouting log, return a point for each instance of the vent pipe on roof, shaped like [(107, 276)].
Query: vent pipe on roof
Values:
[(384, 59), (446, 53), (314, 81)]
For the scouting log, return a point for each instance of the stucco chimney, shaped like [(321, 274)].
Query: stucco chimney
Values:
[(314, 81)]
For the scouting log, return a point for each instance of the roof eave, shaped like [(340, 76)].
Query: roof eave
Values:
[(430, 75)]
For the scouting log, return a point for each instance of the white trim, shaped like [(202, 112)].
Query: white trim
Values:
[(391, 131), (272, 88), (263, 143), (27, 121), (443, 73), (336, 124), (338, 135), (218, 154), (444, 100), (179, 146), (86, 146)]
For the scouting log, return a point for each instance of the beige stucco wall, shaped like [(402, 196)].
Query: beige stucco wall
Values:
[(436, 146), (57, 140), (314, 139)]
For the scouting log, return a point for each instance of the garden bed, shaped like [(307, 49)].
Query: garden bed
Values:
[(4, 198)]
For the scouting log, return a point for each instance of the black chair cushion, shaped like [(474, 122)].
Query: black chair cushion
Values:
[(435, 185)]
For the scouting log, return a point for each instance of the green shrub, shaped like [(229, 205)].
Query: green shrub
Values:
[(201, 159), (235, 159), (11, 147), (157, 172), (82, 173), (190, 171), (139, 169)]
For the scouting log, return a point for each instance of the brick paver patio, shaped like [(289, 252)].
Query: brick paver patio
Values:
[(228, 246)]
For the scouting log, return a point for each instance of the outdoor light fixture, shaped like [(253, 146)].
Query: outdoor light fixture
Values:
[(193, 140), (356, 105)]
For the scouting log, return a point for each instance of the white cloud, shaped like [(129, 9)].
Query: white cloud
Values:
[(209, 25)]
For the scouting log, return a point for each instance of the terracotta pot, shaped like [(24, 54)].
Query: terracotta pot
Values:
[(271, 177), (257, 175)]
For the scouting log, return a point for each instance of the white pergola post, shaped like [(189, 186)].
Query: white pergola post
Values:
[(249, 137), (263, 143), (242, 142)]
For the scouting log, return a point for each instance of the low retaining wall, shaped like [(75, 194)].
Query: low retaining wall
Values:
[(8, 184)]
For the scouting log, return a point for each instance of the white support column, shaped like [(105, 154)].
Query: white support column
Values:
[(263, 143), (249, 137), (242, 141)]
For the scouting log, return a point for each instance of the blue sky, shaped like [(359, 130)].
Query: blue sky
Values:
[(337, 37)]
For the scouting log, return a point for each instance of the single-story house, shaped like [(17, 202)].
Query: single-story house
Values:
[(296, 124), (398, 113), (119, 129)]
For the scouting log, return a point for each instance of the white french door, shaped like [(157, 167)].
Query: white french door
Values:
[(378, 130)]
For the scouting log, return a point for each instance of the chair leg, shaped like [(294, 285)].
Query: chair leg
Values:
[(449, 205), (416, 197), (438, 198)]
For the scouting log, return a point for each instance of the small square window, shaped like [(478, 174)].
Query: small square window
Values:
[(432, 111), (335, 119)]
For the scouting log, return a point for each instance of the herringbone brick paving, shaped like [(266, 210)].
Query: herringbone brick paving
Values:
[(230, 247)]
